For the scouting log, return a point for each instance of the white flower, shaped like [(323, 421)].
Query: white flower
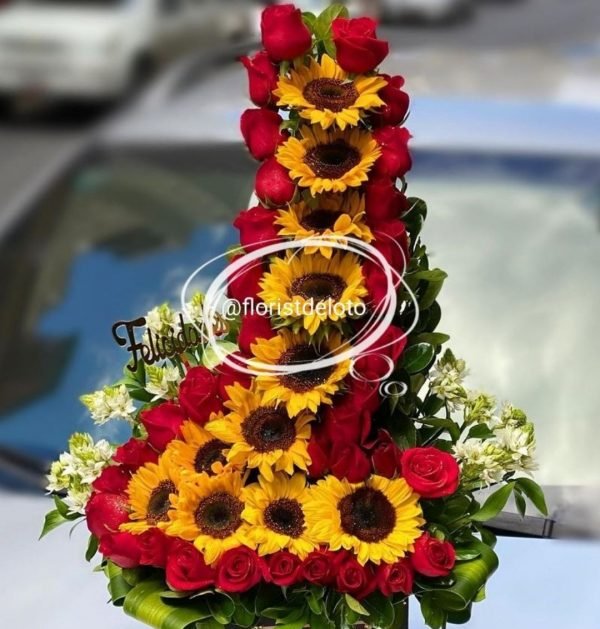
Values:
[(77, 499), (161, 318), (480, 461), (519, 444), (162, 382), (109, 403), (194, 308), (447, 380), (479, 408)]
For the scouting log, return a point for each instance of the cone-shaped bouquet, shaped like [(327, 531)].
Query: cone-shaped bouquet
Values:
[(311, 459)]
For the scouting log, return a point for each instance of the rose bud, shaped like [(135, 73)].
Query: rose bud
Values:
[(431, 472), (273, 183), (113, 480), (122, 549), (385, 455), (238, 570), (395, 577), (199, 394), (318, 568), (262, 78), (154, 547), (162, 424), (395, 159), (254, 326), (283, 569), (257, 227), (432, 557), (261, 131), (105, 513), (383, 201), (244, 283), (396, 103), (135, 453), (186, 569), (357, 48), (349, 461), (352, 578), (284, 34), (227, 376)]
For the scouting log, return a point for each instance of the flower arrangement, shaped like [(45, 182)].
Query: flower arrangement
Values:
[(316, 465)]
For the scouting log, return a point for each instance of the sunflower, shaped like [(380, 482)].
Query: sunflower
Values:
[(313, 288), (198, 450), (302, 389), (332, 216), (208, 512), (263, 437), (329, 161), (275, 511), (151, 492), (379, 519), (325, 94)]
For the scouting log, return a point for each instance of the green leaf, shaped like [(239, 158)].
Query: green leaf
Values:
[(355, 606), (92, 548), (481, 431), (310, 19), (210, 359), (52, 520), (535, 494), (466, 553), (243, 617), (63, 509), (415, 216), (118, 587), (433, 275), (144, 602), (445, 424), (520, 502), (381, 610), (433, 616), (221, 608), (417, 357), (494, 504), (328, 15), (433, 338)]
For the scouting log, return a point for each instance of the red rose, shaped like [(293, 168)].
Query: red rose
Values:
[(318, 451), (254, 326), (122, 549), (244, 284), (283, 569), (383, 201), (352, 578), (374, 364), (396, 102), (395, 159), (199, 394), (318, 568), (186, 569), (135, 453), (273, 183), (385, 455), (262, 78), (261, 131), (431, 472), (162, 423), (238, 570), (105, 513), (228, 376), (113, 480), (284, 34), (349, 461), (357, 48), (257, 227), (154, 547), (432, 557), (395, 577), (349, 418)]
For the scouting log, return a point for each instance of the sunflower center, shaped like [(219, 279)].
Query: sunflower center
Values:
[(318, 286), (303, 381), (367, 514), (219, 515), (332, 94), (285, 516), (267, 429), (332, 161), (319, 220), (208, 454), (159, 503)]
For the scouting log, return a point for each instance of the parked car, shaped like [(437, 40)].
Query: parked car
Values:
[(424, 10), (103, 49)]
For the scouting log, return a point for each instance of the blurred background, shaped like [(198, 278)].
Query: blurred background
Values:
[(122, 167)]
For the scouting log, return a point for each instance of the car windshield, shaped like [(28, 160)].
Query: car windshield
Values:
[(517, 235)]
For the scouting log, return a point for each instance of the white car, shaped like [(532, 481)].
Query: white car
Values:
[(101, 49)]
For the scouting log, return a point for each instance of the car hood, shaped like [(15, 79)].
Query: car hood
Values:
[(62, 24)]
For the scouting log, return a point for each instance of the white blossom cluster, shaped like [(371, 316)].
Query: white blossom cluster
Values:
[(77, 469), (447, 379), (162, 382), (109, 403)]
